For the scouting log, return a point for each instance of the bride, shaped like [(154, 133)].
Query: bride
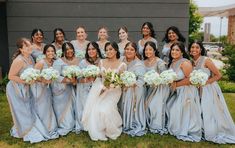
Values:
[(101, 117)]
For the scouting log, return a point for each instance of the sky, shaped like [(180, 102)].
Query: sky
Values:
[(215, 21)]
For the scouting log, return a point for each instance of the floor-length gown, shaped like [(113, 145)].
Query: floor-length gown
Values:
[(183, 109), (218, 125), (156, 102), (63, 99), (82, 92), (132, 102), (42, 104), (27, 124), (100, 116)]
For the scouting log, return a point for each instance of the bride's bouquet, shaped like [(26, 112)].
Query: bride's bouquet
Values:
[(40, 57), (168, 76), (128, 78), (198, 78), (152, 78), (91, 71), (50, 74), (72, 71), (30, 74), (112, 79), (59, 53), (80, 54)]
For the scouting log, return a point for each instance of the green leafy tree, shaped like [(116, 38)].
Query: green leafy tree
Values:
[(195, 21)]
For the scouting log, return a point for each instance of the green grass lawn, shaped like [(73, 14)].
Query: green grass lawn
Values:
[(83, 140)]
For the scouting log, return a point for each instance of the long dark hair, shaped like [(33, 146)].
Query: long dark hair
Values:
[(35, 31), (203, 50), (133, 44), (96, 46), (19, 44), (54, 33), (176, 31), (182, 49), (65, 47), (115, 46), (153, 45), (150, 25)]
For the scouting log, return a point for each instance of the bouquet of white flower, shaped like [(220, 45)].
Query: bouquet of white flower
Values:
[(168, 76), (91, 71), (198, 78), (50, 74), (80, 54), (72, 71), (152, 78), (59, 53), (128, 78), (40, 57), (30, 74), (112, 79)]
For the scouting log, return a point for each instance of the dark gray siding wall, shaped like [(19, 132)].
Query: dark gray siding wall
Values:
[(25, 15)]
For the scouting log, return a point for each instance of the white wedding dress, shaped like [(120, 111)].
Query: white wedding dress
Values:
[(101, 117)]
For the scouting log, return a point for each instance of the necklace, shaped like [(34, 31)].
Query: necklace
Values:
[(151, 61), (195, 62)]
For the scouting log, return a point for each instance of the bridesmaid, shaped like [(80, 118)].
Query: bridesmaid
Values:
[(26, 125), (80, 43), (183, 106), (132, 102), (42, 96), (156, 96), (172, 35), (37, 37), (102, 38), (59, 38), (148, 35), (63, 91), (123, 38), (218, 125), (92, 57)]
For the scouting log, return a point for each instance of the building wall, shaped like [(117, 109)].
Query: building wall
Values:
[(25, 15)]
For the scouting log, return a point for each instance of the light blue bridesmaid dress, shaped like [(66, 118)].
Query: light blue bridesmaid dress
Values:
[(165, 53), (183, 108), (27, 125), (37, 52), (42, 105), (132, 102), (156, 102), (63, 100), (82, 91), (218, 125)]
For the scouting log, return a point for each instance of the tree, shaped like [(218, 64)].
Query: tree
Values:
[(195, 20)]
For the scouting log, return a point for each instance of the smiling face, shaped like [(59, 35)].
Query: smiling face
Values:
[(176, 53), (37, 37), (110, 52), (103, 34), (122, 34), (146, 30), (81, 33), (69, 53), (149, 51), (130, 52), (27, 47), (195, 50), (50, 53), (172, 36), (92, 52), (59, 36)]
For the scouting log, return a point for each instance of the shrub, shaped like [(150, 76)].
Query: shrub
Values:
[(229, 52), (3, 84), (227, 87)]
